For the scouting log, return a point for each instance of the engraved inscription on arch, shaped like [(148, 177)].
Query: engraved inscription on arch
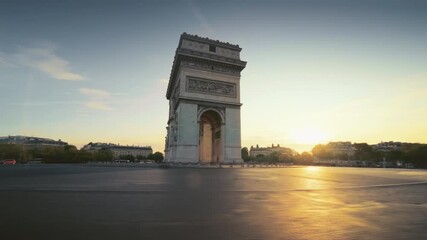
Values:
[(211, 87)]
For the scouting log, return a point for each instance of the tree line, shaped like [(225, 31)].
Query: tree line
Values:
[(414, 154), (408, 153), (157, 157), (285, 155), (64, 154)]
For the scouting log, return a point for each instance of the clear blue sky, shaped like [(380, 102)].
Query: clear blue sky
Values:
[(317, 71)]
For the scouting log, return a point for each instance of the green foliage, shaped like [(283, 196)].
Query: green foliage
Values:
[(364, 152), (321, 151), (409, 153), (157, 156), (282, 156), (104, 155), (304, 158), (52, 154), (84, 157), (416, 155), (11, 151), (245, 154), (127, 157)]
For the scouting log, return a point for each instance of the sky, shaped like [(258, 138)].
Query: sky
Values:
[(317, 71)]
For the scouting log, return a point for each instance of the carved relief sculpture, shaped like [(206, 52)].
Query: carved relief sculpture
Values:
[(211, 87)]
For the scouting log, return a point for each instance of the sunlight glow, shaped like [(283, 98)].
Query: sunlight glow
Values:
[(309, 136), (312, 169)]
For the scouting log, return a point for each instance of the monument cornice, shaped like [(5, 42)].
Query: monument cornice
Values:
[(187, 54), (208, 102), (209, 41), (212, 57)]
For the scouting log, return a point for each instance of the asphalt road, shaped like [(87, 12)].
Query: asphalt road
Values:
[(98, 202)]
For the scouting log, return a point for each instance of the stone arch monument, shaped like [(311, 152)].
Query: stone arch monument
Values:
[(204, 102)]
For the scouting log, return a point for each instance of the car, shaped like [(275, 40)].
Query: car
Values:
[(9, 161)]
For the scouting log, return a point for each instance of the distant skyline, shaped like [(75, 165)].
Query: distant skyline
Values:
[(318, 71)]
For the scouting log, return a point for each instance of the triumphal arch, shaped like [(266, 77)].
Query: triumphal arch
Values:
[(204, 102)]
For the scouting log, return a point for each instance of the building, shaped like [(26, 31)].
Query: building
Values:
[(32, 142), (265, 151), (339, 154), (388, 146), (341, 148), (204, 102), (120, 150)]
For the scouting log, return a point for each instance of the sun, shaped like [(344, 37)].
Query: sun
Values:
[(309, 136), (312, 168)]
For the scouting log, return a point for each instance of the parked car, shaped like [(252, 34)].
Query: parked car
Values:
[(9, 161)]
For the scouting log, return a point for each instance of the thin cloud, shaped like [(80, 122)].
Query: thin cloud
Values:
[(44, 103), (98, 106), (119, 94), (5, 60), (46, 61), (94, 93), (98, 98)]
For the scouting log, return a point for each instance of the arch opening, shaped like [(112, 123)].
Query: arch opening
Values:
[(210, 137)]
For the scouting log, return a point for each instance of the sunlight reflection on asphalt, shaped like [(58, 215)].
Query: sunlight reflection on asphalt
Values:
[(255, 203)]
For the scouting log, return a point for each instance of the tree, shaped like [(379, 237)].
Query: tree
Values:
[(320, 151), (274, 157), (245, 154), (157, 156), (104, 155), (84, 156), (287, 155), (70, 148), (11, 151), (128, 157), (304, 158), (69, 153), (416, 155), (394, 155), (363, 152)]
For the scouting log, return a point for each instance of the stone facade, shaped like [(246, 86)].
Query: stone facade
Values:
[(32, 142), (204, 102), (120, 150), (388, 146), (341, 148), (265, 151)]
